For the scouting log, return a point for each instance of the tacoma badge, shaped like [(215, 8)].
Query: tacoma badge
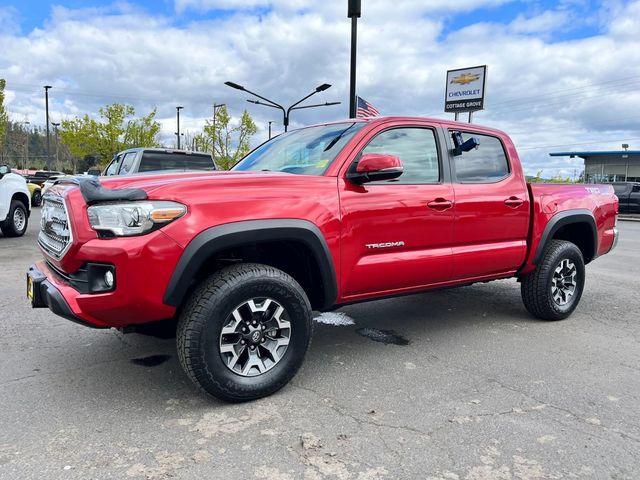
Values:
[(385, 245)]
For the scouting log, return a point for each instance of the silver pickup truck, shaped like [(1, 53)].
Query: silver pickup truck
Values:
[(158, 160)]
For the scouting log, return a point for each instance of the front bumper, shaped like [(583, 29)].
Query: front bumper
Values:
[(141, 266), (43, 294)]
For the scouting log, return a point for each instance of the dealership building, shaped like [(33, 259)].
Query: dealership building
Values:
[(607, 167)]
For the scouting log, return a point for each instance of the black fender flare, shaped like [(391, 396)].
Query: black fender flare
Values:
[(562, 219), (234, 234)]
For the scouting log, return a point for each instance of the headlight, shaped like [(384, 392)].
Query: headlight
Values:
[(133, 218)]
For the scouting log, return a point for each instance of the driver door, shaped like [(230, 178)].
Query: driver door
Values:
[(397, 234)]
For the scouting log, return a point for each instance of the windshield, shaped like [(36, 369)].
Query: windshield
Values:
[(308, 151)]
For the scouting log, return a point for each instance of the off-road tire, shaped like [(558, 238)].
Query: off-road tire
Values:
[(9, 228), (536, 288), (208, 309)]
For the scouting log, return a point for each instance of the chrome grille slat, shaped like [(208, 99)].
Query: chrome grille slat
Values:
[(55, 232)]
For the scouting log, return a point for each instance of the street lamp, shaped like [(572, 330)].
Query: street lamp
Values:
[(178, 124), (55, 129), (285, 111), (46, 103), (270, 122)]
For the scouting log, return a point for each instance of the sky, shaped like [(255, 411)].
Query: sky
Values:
[(562, 75)]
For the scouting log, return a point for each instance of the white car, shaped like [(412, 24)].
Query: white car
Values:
[(51, 180), (15, 203)]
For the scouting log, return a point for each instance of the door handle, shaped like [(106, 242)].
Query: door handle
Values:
[(440, 204), (514, 202)]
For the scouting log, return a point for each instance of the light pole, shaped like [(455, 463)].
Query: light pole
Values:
[(270, 122), (46, 103), (178, 124), (354, 12), (285, 111), (216, 106), (55, 129)]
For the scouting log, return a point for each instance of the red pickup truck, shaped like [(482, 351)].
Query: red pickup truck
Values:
[(313, 219)]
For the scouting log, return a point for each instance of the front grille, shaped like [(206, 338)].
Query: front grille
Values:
[(55, 233)]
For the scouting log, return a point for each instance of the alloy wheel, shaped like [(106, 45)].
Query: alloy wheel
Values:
[(563, 282), (255, 337), (19, 219)]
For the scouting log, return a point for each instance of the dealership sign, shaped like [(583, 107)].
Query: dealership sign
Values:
[(465, 89)]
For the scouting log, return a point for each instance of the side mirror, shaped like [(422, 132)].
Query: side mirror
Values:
[(376, 166), (4, 169)]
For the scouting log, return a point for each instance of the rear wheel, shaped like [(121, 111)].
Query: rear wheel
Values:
[(244, 332), (36, 199), (17, 220), (553, 290)]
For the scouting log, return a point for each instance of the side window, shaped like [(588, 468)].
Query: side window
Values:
[(127, 163), (113, 166), (636, 189), (486, 164), (416, 148)]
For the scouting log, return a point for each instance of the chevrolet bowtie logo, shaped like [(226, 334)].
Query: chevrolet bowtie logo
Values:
[(466, 78)]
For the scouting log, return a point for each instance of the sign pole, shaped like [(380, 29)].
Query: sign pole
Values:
[(457, 116), (471, 116)]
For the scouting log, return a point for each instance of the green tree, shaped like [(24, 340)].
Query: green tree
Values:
[(227, 141), (115, 130), (558, 179), (4, 119), (537, 179)]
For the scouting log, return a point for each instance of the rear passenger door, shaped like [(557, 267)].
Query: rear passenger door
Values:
[(491, 210)]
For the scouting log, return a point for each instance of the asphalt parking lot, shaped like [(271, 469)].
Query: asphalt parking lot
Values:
[(479, 391)]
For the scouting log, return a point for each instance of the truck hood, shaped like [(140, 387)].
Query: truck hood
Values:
[(184, 186), (151, 183)]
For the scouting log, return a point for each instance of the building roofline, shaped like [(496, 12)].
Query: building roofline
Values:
[(595, 154)]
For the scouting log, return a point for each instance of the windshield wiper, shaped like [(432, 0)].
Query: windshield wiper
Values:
[(335, 140)]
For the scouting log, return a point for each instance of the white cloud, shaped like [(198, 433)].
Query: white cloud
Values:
[(540, 91), (334, 6), (545, 22), (8, 20)]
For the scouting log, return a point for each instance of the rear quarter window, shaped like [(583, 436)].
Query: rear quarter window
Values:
[(486, 164), (154, 161)]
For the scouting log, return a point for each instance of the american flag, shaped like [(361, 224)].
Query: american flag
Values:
[(364, 109)]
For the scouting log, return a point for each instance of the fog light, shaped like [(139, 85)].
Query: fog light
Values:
[(108, 279)]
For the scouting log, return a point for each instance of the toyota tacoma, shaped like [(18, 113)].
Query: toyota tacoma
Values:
[(313, 219)]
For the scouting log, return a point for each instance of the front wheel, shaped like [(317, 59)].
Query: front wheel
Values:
[(553, 290), (17, 220), (244, 332)]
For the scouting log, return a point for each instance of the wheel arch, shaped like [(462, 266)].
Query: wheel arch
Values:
[(294, 238), (577, 226), (24, 199)]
